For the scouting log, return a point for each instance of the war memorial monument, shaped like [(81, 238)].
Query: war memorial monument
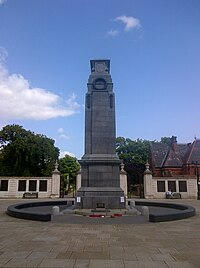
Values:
[(100, 172)]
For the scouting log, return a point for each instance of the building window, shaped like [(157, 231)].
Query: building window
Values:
[(4, 185), (43, 186), (161, 186), (21, 185), (172, 186), (32, 185), (182, 186)]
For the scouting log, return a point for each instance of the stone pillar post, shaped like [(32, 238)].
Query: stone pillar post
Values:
[(177, 186), (78, 180), (166, 186), (148, 182), (123, 180), (55, 186)]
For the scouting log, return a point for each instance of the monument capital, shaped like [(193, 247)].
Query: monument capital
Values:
[(100, 66)]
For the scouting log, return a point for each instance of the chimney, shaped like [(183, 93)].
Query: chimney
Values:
[(174, 143)]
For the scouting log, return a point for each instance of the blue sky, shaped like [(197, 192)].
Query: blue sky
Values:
[(154, 48)]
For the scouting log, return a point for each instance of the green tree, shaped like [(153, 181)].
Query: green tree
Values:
[(134, 154), (166, 140), (136, 151), (24, 153), (68, 167), (132, 151)]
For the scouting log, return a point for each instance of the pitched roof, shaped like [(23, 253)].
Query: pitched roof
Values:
[(174, 155), (158, 153), (194, 154)]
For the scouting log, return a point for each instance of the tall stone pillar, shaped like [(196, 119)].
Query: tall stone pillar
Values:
[(55, 186), (148, 191), (123, 180), (78, 180), (100, 174)]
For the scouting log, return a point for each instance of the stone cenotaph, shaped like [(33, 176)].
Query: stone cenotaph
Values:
[(100, 166)]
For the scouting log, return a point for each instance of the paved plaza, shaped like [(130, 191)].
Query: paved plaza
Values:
[(45, 244)]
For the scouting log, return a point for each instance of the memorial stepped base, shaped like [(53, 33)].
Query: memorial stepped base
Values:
[(106, 212)]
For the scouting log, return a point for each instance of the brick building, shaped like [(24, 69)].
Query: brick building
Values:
[(174, 167), (174, 159)]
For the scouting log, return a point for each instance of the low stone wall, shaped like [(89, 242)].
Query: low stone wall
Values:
[(178, 212), (15, 187), (17, 210), (151, 186)]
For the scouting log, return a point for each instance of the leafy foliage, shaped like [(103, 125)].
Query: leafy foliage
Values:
[(166, 140), (24, 153), (68, 167), (132, 151), (136, 151)]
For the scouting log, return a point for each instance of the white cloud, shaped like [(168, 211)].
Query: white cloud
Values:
[(21, 101), (64, 136), (63, 153), (130, 22), (60, 130), (72, 104), (3, 54), (112, 33), (2, 2)]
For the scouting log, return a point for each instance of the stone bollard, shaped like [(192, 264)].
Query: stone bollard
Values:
[(55, 210), (132, 210), (132, 204), (145, 212)]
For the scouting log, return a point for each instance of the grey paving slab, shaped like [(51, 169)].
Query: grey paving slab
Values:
[(38, 244), (162, 257), (114, 249), (42, 255), (15, 254), (145, 264), (59, 248), (181, 264), (18, 262), (106, 264), (143, 256), (64, 255), (169, 250), (54, 263), (93, 249), (141, 249), (122, 256), (90, 255), (101, 243), (76, 248), (82, 263), (3, 261)]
